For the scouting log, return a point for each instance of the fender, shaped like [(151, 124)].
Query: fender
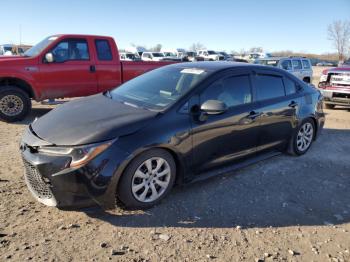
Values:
[(17, 75)]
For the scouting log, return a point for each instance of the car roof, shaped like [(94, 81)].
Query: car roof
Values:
[(215, 66)]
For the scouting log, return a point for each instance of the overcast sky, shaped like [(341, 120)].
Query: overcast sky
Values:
[(298, 25)]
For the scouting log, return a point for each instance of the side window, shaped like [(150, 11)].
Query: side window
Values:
[(290, 86), (297, 64), (269, 86), (103, 49), (233, 91), (287, 65), (306, 64), (71, 49)]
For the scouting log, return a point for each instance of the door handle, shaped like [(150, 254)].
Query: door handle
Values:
[(252, 115), (293, 104), (92, 69)]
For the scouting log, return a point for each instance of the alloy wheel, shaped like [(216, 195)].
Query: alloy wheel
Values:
[(305, 136), (151, 179)]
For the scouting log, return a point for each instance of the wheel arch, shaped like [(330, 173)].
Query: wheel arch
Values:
[(14, 81)]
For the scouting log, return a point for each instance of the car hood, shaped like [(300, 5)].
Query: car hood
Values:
[(90, 120)]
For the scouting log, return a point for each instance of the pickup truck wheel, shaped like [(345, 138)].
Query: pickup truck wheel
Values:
[(328, 106), (15, 104), (147, 180)]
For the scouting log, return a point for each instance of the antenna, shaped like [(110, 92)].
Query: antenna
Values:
[(20, 34)]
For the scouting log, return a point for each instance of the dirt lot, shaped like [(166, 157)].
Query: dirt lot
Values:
[(282, 209)]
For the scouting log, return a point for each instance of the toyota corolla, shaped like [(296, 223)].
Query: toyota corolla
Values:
[(173, 125)]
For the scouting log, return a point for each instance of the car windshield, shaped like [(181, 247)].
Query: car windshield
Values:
[(190, 53), (211, 52), (268, 62), (158, 89), (35, 50), (8, 48), (158, 54)]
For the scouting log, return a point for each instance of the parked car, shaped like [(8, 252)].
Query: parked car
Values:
[(152, 56), (127, 56), (6, 50), (176, 54), (335, 86), (324, 64), (298, 66), (210, 55), (62, 66), (176, 124), (190, 56), (226, 56)]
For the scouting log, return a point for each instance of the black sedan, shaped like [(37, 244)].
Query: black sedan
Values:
[(173, 125)]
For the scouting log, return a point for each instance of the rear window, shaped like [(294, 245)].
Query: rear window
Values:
[(269, 86), (297, 64), (306, 64), (103, 49), (290, 86)]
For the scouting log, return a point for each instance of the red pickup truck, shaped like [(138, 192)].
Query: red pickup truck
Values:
[(63, 66), (335, 86)]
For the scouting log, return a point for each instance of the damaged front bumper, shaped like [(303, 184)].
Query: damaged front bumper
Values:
[(52, 183)]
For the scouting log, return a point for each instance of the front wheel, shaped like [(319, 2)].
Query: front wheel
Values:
[(302, 138), (15, 104), (147, 180)]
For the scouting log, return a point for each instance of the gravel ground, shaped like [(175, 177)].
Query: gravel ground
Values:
[(282, 209)]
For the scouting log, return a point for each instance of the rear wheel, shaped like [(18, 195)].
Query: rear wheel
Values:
[(302, 138), (329, 106), (147, 180), (15, 104)]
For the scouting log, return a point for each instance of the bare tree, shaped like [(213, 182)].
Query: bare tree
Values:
[(339, 34), (197, 46), (156, 48), (256, 50)]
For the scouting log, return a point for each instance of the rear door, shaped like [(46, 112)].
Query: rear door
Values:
[(108, 66), (220, 139), (70, 74), (279, 103), (307, 70), (297, 68)]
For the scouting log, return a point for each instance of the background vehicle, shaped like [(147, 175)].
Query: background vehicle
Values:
[(226, 56), (6, 50), (126, 56), (152, 56), (210, 55), (298, 66), (213, 122), (63, 66), (335, 86), (324, 64)]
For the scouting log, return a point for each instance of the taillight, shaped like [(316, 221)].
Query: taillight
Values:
[(325, 72)]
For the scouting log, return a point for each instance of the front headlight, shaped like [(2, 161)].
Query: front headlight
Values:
[(80, 155)]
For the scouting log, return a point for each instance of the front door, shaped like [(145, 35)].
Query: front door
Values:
[(219, 139), (71, 73)]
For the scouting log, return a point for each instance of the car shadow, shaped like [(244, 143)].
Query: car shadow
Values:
[(282, 191)]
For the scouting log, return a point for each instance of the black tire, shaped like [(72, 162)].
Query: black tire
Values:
[(307, 80), (293, 144), (328, 106), (14, 96), (125, 196)]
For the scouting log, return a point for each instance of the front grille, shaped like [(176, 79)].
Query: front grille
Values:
[(221, 58), (35, 182)]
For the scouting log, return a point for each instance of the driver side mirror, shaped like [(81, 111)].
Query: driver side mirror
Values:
[(49, 58), (213, 107)]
